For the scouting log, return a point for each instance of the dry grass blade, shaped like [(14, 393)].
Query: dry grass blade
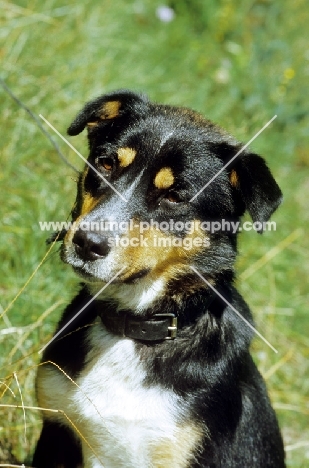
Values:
[(38, 408), (278, 364), (271, 254), (23, 406), (30, 277)]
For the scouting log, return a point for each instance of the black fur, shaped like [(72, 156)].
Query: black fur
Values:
[(208, 365)]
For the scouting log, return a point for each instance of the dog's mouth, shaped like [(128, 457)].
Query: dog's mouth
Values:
[(125, 277)]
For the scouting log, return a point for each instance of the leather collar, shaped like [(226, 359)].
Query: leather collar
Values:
[(159, 327)]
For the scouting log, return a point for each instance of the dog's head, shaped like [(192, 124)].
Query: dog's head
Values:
[(136, 205)]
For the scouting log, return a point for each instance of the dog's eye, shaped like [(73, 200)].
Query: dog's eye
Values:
[(105, 164), (172, 197)]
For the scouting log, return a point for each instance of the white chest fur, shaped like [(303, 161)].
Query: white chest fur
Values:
[(127, 424)]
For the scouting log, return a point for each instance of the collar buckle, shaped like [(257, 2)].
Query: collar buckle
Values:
[(172, 328)]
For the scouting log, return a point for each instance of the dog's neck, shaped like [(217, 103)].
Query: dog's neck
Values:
[(159, 326)]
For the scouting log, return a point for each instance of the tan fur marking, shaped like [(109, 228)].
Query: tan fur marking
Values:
[(164, 178), (110, 110), (234, 178), (89, 202), (179, 453), (126, 156), (167, 260)]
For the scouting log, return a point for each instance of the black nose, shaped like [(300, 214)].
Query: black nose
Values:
[(90, 245)]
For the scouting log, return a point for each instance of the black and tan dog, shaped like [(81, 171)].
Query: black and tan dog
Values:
[(134, 388)]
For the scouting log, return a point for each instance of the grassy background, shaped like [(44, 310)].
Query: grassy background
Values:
[(239, 63)]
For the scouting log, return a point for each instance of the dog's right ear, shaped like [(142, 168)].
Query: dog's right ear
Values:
[(109, 109)]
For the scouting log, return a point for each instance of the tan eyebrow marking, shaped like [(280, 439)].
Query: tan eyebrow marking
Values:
[(126, 156), (164, 178)]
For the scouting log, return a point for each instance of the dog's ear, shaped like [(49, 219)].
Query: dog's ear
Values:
[(250, 176), (254, 185), (110, 109)]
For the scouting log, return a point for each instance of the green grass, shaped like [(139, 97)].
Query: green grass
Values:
[(239, 63)]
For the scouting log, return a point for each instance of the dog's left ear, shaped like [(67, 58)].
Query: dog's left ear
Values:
[(250, 176)]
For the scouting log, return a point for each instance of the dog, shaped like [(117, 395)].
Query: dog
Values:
[(150, 364)]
